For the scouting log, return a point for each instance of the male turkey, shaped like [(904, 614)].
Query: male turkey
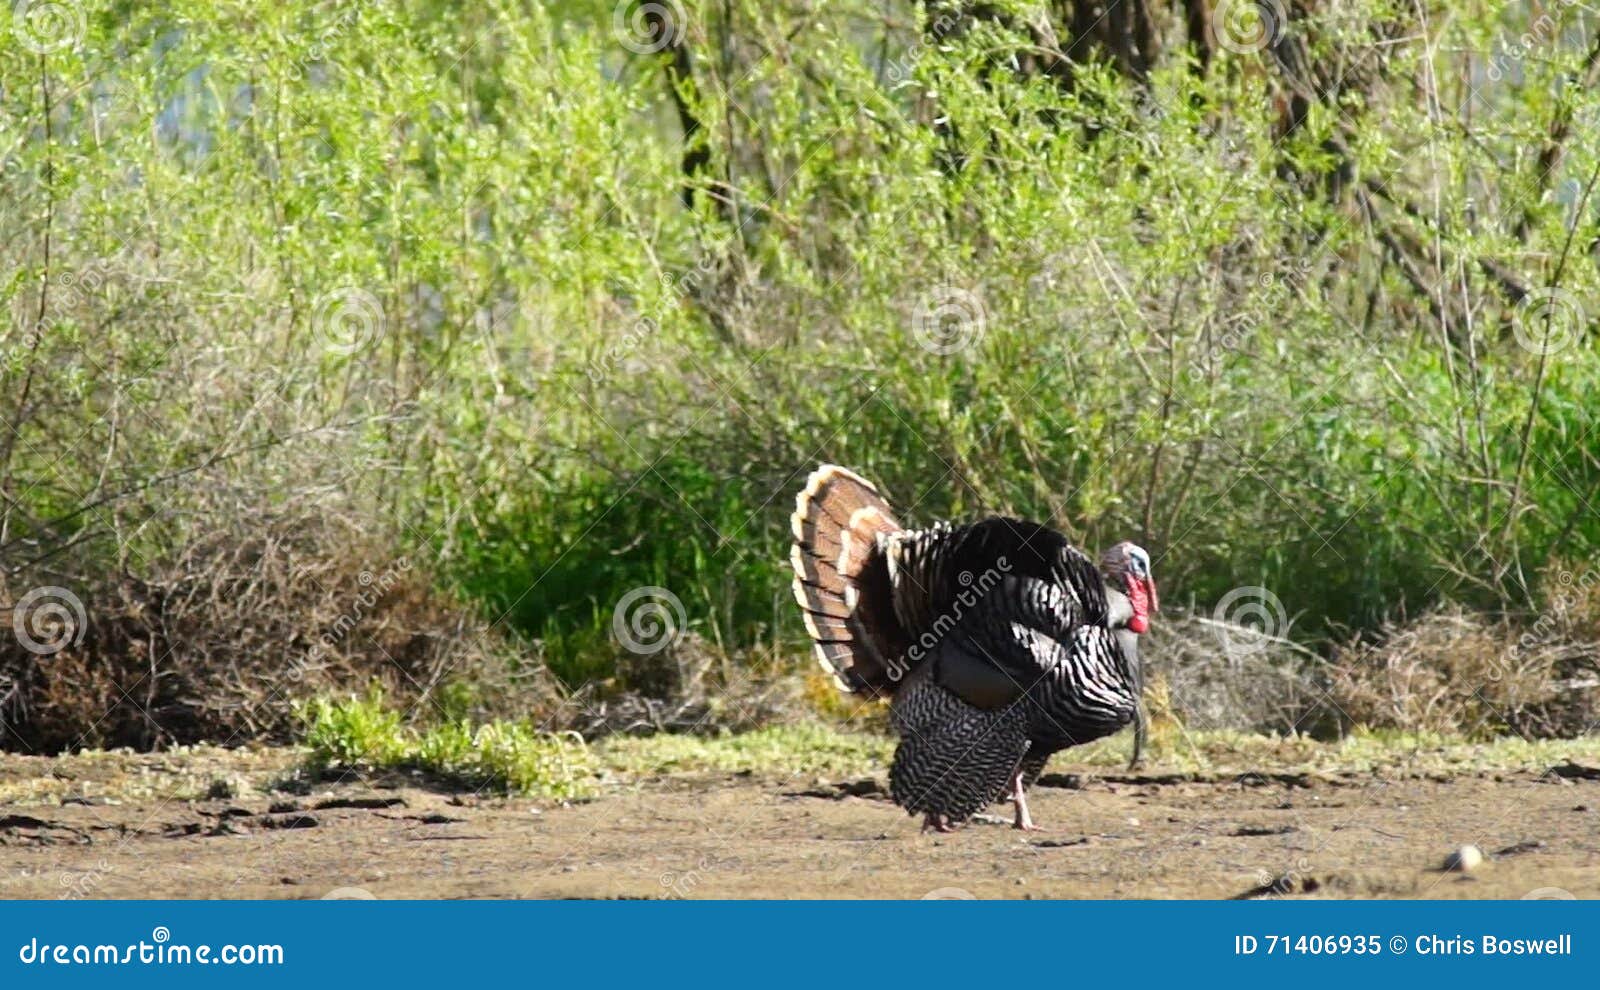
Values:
[(998, 643)]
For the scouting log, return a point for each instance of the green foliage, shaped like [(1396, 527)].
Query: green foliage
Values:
[(363, 732), (434, 261), (353, 732)]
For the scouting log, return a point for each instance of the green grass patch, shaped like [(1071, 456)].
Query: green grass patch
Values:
[(513, 757), (807, 748), (1175, 749), (825, 751)]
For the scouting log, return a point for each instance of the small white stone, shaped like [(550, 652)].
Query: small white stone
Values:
[(1464, 860)]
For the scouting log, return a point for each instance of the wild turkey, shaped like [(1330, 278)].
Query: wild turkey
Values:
[(998, 643)]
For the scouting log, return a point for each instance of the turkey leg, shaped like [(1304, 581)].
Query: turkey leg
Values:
[(1023, 821)]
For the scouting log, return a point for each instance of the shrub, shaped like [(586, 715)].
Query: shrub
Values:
[(219, 643), (558, 319), (1459, 673)]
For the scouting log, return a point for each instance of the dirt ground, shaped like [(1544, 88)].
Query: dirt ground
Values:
[(216, 824)]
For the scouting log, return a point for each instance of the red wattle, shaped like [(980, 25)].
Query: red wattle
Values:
[(1139, 598)]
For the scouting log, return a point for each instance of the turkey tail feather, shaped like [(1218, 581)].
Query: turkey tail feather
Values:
[(841, 578), (953, 757)]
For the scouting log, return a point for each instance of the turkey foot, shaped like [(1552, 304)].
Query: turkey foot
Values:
[(936, 822)]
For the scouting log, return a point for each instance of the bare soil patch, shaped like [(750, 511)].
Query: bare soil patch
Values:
[(207, 824)]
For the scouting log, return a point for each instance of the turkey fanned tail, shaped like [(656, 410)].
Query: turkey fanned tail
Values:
[(841, 579)]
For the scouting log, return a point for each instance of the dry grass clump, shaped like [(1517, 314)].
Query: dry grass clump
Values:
[(689, 686), (1450, 672), (217, 642), (1458, 672), (1205, 673)]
